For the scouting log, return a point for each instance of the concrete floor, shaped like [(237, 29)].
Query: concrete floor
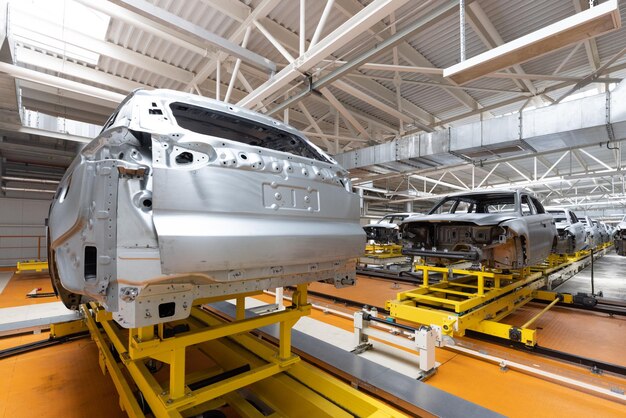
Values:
[(609, 277)]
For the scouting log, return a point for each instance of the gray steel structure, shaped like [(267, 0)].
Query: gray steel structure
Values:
[(182, 197)]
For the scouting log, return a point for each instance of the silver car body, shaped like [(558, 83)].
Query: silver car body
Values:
[(386, 230), (620, 237), (506, 229), (594, 238), (182, 197), (604, 234), (570, 231)]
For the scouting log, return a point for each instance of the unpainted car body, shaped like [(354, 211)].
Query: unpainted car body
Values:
[(593, 235), (505, 229), (182, 197), (571, 235), (604, 233), (386, 230), (620, 237)]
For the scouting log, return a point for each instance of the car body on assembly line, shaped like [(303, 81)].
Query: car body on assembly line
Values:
[(181, 197), (620, 237), (593, 235), (570, 231), (506, 229), (386, 230), (604, 233)]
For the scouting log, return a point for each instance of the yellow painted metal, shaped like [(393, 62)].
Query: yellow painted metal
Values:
[(550, 296), (145, 349), (63, 329), (31, 265), (230, 346), (477, 299), (240, 308), (383, 250), (107, 362), (489, 285), (543, 311), (474, 300), (500, 330)]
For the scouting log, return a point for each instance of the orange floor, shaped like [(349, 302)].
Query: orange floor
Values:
[(65, 380), (594, 335), (510, 393)]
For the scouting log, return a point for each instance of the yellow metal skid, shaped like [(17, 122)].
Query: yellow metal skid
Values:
[(383, 250), (274, 375), (32, 265), (477, 300)]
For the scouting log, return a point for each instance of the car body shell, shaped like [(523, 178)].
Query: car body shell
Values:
[(593, 235), (182, 197), (571, 235), (604, 233), (620, 237), (386, 230), (521, 237)]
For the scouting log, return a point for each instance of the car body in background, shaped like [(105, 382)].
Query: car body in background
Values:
[(181, 197), (386, 230), (593, 235), (571, 235), (506, 229), (620, 237), (604, 234)]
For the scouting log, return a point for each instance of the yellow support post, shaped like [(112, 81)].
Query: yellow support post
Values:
[(229, 347), (240, 308), (177, 373), (145, 333)]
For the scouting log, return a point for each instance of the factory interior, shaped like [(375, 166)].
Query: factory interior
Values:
[(312, 208)]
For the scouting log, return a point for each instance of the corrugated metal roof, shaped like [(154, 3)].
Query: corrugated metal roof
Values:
[(439, 44)]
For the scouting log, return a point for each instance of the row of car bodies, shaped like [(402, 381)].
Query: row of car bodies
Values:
[(499, 229)]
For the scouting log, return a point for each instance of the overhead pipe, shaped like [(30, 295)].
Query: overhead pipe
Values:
[(22, 189), (29, 180), (462, 28)]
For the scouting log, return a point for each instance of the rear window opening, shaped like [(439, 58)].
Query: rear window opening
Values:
[(223, 125)]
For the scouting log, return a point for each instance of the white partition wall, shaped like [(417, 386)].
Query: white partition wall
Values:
[(22, 230)]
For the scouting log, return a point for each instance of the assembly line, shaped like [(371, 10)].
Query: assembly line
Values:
[(341, 208)]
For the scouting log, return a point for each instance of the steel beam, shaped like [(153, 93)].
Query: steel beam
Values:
[(345, 33), (61, 83), (593, 22), (446, 9), (162, 16)]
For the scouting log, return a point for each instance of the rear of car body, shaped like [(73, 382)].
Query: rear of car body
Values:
[(620, 237), (604, 234), (571, 235), (386, 230), (593, 236), (506, 229), (182, 197)]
